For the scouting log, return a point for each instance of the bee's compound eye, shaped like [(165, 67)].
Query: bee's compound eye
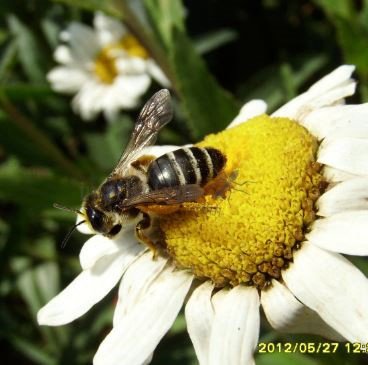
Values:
[(96, 218)]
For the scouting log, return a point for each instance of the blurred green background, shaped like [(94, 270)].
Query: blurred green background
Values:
[(268, 49)]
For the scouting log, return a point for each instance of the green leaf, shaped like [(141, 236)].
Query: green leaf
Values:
[(38, 285), (8, 59), (361, 263), (352, 33), (353, 38), (4, 35), (305, 70), (4, 232), (179, 325), (107, 6), (208, 107), (17, 143), (341, 8), (21, 91), (36, 190), (102, 319), (277, 84), (364, 12), (51, 31), (277, 358), (166, 15), (105, 149), (210, 41), (29, 53), (32, 351)]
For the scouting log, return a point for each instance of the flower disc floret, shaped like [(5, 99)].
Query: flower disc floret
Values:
[(248, 236)]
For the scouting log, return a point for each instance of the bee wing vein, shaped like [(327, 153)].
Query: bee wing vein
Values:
[(156, 113)]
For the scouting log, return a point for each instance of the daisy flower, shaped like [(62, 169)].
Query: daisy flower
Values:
[(105, 66), (298, 201)]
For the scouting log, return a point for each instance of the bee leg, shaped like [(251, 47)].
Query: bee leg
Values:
[(141, 226)]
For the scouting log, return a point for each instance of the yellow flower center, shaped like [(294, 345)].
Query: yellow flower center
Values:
[(131, 45), (248, 236), (104, 64)]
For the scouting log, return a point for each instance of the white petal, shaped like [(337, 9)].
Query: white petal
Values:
[(83, 42), (235, 328), (66, 80), (95, 248), (124, 93), (333, 79), (63, 55), (148, 360), (286, 314), (345, 232), (334, 175), (142, 328), (137, 282), (128, 65), (88, 101), (333, 287), (199, 316), (347, 154), (157, 74), (248, 111), (99, 246), (338, 121), (348, 195), (64, 35), (109, 30), (133, 86), (87, 289), (329, 90), (112, 101)]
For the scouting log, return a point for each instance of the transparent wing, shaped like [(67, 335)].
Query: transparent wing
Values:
[(156, 113), (166, 196)]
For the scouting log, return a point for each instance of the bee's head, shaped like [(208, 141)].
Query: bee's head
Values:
[(100, 221), (95, 219)]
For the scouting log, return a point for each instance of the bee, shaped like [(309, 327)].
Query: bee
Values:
[(139, 182)]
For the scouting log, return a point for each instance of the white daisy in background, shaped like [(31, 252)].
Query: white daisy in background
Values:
[(105, 66), (298, 201)]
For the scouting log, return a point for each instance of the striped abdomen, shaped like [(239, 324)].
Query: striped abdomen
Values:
[(192, 165)]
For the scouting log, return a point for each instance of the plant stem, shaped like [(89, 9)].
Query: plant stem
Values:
[(146, 39)]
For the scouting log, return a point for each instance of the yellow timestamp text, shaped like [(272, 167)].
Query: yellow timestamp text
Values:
[(312, 347)]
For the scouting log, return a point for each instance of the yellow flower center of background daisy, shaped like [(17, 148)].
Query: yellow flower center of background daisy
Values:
[(249, 235), (131, 45), (104, 64)]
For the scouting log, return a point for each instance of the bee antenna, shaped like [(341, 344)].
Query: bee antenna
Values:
[(66, 238), (59, 206)]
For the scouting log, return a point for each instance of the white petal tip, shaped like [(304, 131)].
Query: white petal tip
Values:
[(45, 319), (40, 319), (348, 69), (248, 111)]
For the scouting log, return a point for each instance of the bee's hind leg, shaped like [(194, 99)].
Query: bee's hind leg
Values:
[(144, 225)]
